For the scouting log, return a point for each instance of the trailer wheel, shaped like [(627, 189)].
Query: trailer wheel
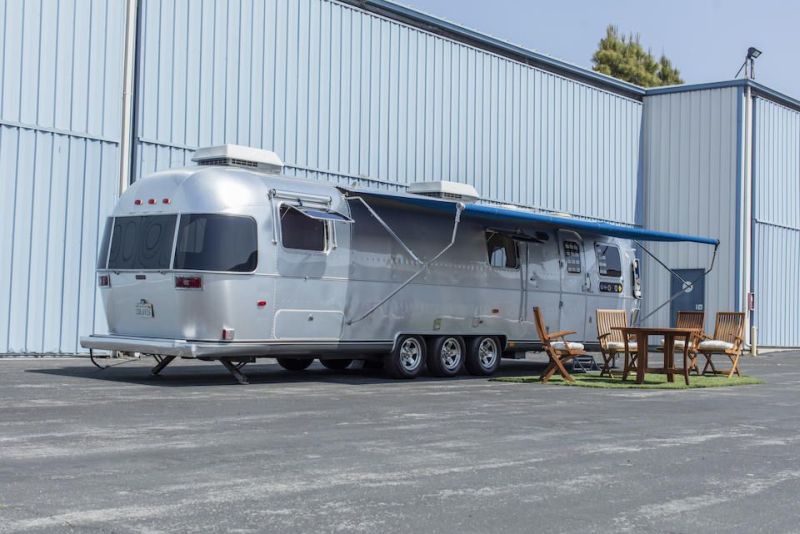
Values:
[(407, 358), (295, 364), (445, 355), (336, 365), (483, 355)]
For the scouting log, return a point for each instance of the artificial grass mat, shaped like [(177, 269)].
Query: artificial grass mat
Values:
[(651, 381)]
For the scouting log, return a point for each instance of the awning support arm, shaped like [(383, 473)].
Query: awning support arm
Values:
[(423, 267), (640, 320)]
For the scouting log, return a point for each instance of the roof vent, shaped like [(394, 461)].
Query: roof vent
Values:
[(239, 156), (445, 190)]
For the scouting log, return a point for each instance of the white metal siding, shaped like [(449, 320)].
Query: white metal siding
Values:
[(776, 167), (59, 128), (347, 94), (691, 169)]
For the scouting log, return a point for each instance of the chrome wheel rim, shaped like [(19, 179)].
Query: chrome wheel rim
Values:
[(487, 353), (451, 353), (410, 354)]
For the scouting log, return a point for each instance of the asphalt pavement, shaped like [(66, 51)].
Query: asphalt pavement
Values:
[(320, 451)]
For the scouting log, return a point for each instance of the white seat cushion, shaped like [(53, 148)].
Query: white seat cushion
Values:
[(678, 344), (560, 345), (715, 344), (619, 346)]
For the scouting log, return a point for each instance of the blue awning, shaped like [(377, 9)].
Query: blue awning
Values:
[(496, 216)]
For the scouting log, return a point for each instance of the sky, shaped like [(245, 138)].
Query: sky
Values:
[(706, 39)]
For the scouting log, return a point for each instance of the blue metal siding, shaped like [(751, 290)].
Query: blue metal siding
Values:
[(60, 87), (777, 223), (690, 161), (340, 92)]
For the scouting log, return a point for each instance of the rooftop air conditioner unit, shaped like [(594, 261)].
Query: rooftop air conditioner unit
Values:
[(445, 190), (239, 156)]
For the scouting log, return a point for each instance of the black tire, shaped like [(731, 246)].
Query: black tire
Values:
[(407, 358), (483, 355), (446, 355), (336, 365), (295, 364)]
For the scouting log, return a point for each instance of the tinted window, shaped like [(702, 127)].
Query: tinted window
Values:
[(502, 251), (209, 242), (572, 256), (102, 255), (142, 242), (608, 260), (301, 232)]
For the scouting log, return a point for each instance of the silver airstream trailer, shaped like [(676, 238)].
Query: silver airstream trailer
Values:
[(230, 261)]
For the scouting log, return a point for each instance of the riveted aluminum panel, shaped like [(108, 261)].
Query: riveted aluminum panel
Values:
[(338, 91)]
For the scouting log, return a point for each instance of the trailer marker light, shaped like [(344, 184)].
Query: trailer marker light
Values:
[(151, 201), (104, 280), (166, 201), (227, 334), (138, 201), (188, 282), (261, 303)]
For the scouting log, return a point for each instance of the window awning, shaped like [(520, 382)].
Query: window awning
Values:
[(498, 217), (323, 215)]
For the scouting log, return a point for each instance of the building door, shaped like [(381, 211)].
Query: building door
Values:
[(575, 283), (692, 295)]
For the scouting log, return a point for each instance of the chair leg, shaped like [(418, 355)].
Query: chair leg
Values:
[(608, 359), (734, 366), (708, 364)]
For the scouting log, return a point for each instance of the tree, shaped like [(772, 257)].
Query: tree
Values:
[(625, 58)]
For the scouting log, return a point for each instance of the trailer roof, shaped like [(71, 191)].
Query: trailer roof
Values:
[(497, 215)]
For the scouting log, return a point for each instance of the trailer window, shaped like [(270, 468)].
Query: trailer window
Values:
[(608, 260), (143, 242), (211, 242), (301, 232), (572, 256), (102, 255), (502, 250)]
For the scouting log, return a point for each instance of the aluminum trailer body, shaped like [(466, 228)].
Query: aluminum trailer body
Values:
[(230, 263)]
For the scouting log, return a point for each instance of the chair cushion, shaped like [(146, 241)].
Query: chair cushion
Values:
[(560, 345), (620, 346), (678, 343), (715, 344)]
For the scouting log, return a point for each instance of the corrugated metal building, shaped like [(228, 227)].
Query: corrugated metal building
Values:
[(360, 92), (723, 159)]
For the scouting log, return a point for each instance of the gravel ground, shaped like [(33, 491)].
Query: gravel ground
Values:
[(120, 451)]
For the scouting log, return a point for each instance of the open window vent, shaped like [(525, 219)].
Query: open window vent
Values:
[(239, 156)]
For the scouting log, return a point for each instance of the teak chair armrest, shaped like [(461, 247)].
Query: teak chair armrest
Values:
[(560, 334)]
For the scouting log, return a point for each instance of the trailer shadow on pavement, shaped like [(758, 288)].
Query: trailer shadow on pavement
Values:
[(183, 373)]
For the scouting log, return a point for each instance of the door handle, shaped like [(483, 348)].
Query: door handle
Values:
[(587, 285)]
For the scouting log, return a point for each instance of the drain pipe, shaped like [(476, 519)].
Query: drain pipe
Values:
[(747, 216), (129, 60)]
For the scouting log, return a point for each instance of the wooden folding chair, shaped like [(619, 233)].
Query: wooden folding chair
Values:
[(696, 320), (558, 349), (612, 342), (727, 340)]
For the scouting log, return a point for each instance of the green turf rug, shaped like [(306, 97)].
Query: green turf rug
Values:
[(651, 381)]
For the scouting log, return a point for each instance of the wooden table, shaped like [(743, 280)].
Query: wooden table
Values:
[(642, 336)]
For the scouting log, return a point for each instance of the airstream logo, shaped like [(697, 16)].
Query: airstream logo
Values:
[(144, 309)]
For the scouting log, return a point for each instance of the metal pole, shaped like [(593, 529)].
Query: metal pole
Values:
[(129, 52)]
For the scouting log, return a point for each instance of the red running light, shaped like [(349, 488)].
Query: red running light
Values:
[(104, 280), (261, 303), (188, 282), (166, 201), (151, 201), (138, 201)]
